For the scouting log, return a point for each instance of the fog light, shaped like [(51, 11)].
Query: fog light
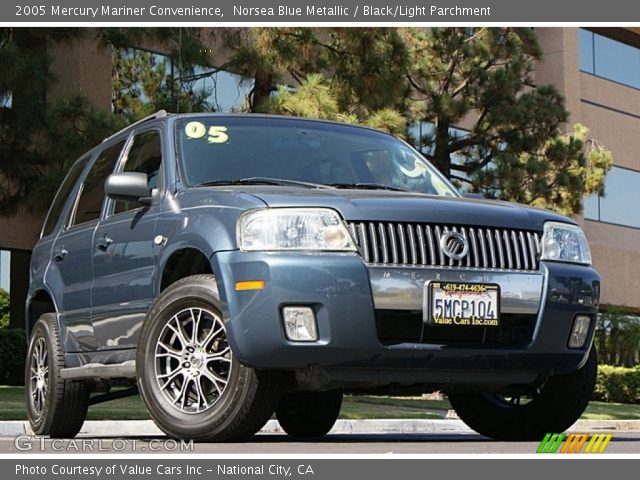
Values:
[(300, 324), (579, 331)]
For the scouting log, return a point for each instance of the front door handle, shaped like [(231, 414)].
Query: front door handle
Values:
[(104, 243), (59, 254)]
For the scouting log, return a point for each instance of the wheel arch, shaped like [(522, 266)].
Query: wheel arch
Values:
[(39, 303), (180, 263)]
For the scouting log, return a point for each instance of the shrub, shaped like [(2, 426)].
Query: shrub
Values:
[(618, 384), (4, 308), (13, 348), (618, 338)]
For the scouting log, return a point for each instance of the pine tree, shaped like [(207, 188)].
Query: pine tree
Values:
[(144, 82), (489, 125), (343, 74), (32, 158), (40, 139), (515, 148), (269, 57)]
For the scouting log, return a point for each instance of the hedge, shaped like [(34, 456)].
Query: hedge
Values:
[(13, 348), (618, 384), (4, 308), (618, 338)]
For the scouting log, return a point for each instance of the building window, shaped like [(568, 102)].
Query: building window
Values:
[(5, 270), (617, 205), (227, 92), (586, 50), (591, 205), (6, 100), (139, 77), (142, 77), (610, 59)]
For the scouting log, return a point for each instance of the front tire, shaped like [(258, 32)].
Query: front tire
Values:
[(552, 408), (309, 414), (189, 379), (55, 406)]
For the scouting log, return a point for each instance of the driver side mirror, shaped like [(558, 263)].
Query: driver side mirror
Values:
[(128, 187)]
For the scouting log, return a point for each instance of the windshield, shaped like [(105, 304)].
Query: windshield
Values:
[(218, 149)]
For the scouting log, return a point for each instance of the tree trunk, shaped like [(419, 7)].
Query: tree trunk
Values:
[(263, 85), (441, 156)]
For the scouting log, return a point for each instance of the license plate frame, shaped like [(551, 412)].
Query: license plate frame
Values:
[(474, 315)]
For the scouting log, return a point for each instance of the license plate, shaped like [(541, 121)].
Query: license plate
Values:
[(462, 304)]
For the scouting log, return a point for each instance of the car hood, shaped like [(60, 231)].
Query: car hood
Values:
[(391, 206)]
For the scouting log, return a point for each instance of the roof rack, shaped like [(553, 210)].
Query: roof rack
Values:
[(153, 116)]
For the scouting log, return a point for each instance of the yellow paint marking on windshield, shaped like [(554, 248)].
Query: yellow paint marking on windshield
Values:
[(215, 134), (195, 130), (418, 169), (440, 186)]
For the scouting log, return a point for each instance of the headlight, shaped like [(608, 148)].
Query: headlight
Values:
[(563, 242), (313, 229)]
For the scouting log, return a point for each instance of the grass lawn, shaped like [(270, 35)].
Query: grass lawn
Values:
[(612, 411), (12, 407), (360, 406), (354, 407)]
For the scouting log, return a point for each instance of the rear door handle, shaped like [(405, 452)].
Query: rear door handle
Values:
[(104, 243), (59, 254)]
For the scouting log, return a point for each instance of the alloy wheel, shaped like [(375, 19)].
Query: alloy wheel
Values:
[(193, 360), (39, 376)]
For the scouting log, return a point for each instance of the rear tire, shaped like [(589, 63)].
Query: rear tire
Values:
[(553, 408), (309, 414), (189, 379), (55, 406)]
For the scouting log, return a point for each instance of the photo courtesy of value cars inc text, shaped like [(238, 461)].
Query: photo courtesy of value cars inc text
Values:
[(164, 471)]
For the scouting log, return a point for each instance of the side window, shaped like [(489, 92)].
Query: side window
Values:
[(63, 195), (92, 195), (145, 156)]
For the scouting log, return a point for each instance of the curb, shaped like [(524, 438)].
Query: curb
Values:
[(146, 428)]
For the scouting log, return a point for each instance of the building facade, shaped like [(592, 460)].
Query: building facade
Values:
[(597, 71)]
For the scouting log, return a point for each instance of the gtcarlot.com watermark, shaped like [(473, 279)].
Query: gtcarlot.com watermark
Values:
[(31, 443)]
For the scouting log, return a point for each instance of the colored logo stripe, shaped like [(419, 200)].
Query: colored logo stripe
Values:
[(550, 443), (598, 443), (574, 443)]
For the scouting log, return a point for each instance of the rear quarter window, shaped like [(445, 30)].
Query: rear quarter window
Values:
[(63, 194)]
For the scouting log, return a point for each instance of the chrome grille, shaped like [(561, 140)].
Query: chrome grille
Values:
[(393, 243)]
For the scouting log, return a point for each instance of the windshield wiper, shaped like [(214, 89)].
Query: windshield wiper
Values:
[(369, 186), (296, 183), (262, 181)]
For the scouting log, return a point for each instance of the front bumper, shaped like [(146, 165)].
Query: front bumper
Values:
[(346, 294)]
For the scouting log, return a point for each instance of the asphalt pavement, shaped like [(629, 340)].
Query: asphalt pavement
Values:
[(348, 437), (432, 443)]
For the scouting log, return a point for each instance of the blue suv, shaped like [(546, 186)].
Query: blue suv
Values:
[(229, 267)]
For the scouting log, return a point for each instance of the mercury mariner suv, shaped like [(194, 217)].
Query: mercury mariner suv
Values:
[(229, 267)]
